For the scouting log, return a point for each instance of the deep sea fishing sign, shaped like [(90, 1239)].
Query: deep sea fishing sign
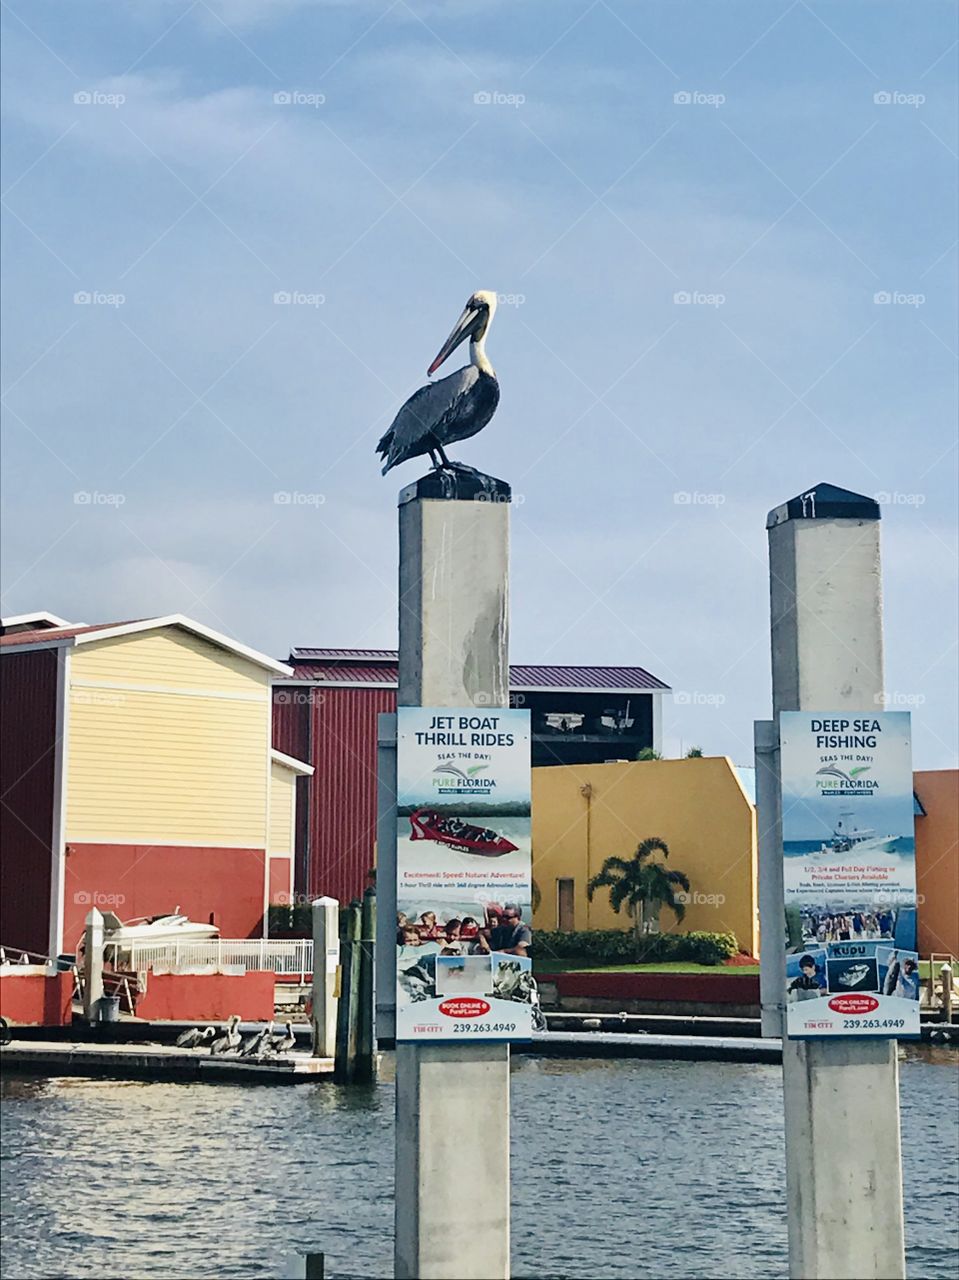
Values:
[(849, 874), (463, 892)]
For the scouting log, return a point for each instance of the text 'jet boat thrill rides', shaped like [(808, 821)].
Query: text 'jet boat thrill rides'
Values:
[(427, 824)]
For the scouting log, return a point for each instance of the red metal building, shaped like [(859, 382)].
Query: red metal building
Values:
[(326, 714)]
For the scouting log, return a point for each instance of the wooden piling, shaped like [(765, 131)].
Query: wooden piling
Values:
[(366, 1011), (344, 1070)]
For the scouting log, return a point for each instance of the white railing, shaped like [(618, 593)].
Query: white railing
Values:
[(286, 956)]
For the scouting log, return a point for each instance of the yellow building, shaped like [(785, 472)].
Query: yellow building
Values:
[(143, 779), (584, 813)]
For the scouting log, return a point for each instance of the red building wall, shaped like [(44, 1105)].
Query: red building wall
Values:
[(335, 731), (150, 880), (36, 999), (208, 997), (28, 726)]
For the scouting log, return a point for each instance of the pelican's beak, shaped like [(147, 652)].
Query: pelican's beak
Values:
[(464, 328)]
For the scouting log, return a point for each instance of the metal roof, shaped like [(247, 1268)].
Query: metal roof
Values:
[(66, 637), (373, 655), (383, 671)]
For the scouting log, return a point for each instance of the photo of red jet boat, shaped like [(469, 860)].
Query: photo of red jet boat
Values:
[(427, 824)]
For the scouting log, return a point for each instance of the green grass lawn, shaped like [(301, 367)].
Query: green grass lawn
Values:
[(544, 965)]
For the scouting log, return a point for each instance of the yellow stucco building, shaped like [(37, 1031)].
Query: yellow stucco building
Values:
[(584, 813)]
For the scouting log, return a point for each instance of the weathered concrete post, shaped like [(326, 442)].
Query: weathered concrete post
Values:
[(843, 1156), (326, 959), (93, 964), (454, 559)]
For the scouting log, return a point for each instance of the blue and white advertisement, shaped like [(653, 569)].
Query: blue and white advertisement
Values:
[(464, 878), (849, 874)]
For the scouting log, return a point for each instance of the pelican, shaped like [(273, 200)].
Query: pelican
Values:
[(190, 1039), (230, 1038), (254, 1045), (282, 1044), (454, 408)]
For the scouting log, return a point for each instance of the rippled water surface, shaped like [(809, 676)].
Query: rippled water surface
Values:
[(621, 1169)]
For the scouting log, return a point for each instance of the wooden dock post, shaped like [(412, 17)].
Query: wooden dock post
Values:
[(366, 1013), (344, 1069)]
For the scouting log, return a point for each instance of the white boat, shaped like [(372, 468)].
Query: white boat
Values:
[(845, 839), (174, 927)]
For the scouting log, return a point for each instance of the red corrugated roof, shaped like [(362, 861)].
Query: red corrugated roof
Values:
[(374, 655), (51, 635), (521, 676)]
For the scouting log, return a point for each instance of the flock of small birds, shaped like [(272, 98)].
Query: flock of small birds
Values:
[(262, 1043)]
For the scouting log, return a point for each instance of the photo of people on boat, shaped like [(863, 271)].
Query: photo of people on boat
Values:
[(859, 921), (496, 934)]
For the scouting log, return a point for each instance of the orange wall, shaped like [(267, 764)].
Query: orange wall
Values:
[(937, 860)]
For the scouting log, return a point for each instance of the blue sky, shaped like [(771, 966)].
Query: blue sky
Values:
[(182, 163)]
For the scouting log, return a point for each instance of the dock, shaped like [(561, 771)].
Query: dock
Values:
[(157, 1062), (625, 1044)]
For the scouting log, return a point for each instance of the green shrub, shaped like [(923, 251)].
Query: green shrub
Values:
[(616, 946)]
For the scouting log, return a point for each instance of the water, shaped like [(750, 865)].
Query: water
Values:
[(621, 1169)]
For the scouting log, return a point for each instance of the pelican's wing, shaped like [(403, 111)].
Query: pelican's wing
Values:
[(425, 416)]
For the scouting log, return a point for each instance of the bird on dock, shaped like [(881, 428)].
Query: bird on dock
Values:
[(285, 1042), (230, 1039), (457, 406), (256, 1044), (194, 1037)]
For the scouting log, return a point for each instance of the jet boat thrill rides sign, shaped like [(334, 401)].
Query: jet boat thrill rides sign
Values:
[(849, 874), (464, 881)]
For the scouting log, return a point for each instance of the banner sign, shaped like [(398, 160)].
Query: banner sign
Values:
[(464, 879), (849, 874)]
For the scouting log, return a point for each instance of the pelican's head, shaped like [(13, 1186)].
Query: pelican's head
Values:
[(472, 324)]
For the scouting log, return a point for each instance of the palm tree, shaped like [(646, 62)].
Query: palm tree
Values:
[(641, 884)]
